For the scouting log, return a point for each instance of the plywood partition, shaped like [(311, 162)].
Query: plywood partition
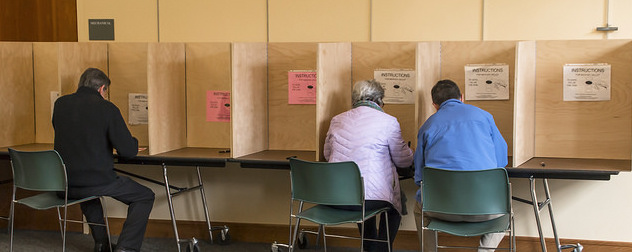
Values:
[(208, 68), (128, 73), (524, 103), (583, 129), (291, 127), (371, 56), (57, 68), (249, 105), (16, 82), (457, 54), (428, 60), (334, 87), (166, 97)]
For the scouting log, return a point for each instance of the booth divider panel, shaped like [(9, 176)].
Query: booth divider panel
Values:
[(334, 87), (166, 97), (371, 56), (16, 82), (45, 80), (456, 55), (583, 129), (524, 106), (128, 73), (428, 61), (208, 68), (291, 126), (249, 100)]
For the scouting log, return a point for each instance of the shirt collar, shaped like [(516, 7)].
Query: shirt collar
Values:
[(450, 101)]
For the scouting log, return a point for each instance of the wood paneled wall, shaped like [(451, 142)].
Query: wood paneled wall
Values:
[(38, 20)]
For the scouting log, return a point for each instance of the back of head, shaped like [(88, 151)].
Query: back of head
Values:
[(93, 78), (445, 90), (367, 90)]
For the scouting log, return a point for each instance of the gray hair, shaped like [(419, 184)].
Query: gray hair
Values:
[(367, 90), (94, 78)]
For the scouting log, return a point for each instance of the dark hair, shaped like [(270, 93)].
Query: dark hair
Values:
[(94, 78), (445, 90)]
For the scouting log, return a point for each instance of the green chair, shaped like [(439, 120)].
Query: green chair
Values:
[(45, 172), (325, 184), (472, 194)]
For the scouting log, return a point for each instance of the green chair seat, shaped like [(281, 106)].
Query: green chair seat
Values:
[(500, 224), (49, 200), (327, 215)]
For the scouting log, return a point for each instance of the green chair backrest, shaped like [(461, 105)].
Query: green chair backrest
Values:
[(38, 170), (326, 183), (466, 192)]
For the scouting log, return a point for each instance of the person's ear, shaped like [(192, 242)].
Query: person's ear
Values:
[(436, 106)]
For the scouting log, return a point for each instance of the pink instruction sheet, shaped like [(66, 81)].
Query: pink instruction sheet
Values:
[(217, 106), (301, 88)]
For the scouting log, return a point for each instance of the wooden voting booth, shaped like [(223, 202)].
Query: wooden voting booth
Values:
[(552, 133), (535, 121)]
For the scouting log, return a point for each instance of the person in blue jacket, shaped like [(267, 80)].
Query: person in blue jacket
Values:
[(458, 136)]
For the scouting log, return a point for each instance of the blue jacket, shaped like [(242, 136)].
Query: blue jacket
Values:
[(460, 137)]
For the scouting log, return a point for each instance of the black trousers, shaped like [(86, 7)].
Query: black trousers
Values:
[(370, 226), (137, 197)]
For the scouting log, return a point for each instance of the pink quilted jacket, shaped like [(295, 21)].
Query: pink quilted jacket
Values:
[(373, 140)]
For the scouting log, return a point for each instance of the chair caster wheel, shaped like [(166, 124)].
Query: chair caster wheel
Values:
[(223, 237), (193, 246)]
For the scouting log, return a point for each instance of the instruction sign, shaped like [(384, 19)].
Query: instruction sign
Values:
[(399, 85), (301, 88), (486, 82), (217, 106), (587, 82), (138, 112)]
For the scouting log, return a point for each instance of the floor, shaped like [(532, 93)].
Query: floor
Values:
[(36, 241)]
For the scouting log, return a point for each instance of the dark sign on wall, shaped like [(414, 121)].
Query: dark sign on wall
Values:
[(101, 29)]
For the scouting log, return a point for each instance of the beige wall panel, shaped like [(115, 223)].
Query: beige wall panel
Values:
[(318, 20), (128, 73), (454, 57), (583, 129), (46, 79), (543, 19), (620, 17), (291, 127), (370, 56), (16, 83), (334, 87), (249, 108), (426, 20), (208, 68), (166, 97), (524, 103), (213, 21), (134, 21), (428, 60), (58, 67)]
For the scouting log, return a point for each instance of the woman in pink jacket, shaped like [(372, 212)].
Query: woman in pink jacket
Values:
[(373, 140)]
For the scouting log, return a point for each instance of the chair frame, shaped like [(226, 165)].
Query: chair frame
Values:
[(294, 233), (62, 221), (510, 229)]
